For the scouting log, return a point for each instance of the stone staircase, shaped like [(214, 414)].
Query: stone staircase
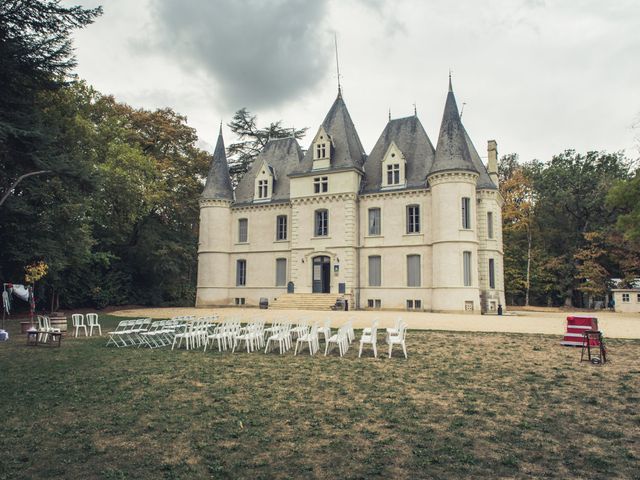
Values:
[(304, 301)]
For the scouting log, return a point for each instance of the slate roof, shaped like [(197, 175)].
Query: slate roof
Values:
[(484, 180), (412, 140), (452, 151), (283, 155), (347, 151), (218, 185)]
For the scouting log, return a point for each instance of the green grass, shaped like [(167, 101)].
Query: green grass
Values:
[(462, 406)]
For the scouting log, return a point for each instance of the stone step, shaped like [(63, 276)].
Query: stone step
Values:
[(304, 301)]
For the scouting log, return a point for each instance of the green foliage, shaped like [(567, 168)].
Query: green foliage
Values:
[(251, 139), (560, 216), (123, 227), (624, 198)]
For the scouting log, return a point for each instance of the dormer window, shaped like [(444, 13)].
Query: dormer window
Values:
[(321, 148), (263, 188), (393, 168), (264, 183), (393, 174)]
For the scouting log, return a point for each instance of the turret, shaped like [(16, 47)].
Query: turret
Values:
[(453, 180), (215, 236)]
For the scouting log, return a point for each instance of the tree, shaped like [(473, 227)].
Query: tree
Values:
[(517, 216), (591, 273), (571, 190), (624, 198), (251, 140), (36, 56)]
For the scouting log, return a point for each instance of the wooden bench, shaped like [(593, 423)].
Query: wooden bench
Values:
[(33, 338)]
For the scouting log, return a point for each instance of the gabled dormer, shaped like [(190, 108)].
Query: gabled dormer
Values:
[(321, 148), (394, 167), (263, 189)]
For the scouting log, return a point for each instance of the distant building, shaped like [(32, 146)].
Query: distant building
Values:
[(626, 300), (405, 227)]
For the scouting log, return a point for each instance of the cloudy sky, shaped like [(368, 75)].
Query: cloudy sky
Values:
[(539, 76)]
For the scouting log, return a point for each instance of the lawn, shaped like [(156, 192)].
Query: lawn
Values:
[(462, 405)]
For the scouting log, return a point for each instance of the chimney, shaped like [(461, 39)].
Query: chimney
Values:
[(492, 164)]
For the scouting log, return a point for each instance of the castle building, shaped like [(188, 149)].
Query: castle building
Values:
[(405, 227)]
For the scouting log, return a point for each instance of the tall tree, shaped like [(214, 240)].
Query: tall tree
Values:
[(624, 198), (36, 55), (518, 222), (251, 140), (570, 192), (43, 218)]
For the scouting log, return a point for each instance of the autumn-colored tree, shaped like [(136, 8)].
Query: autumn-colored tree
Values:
[(591, 273), (517, 215)]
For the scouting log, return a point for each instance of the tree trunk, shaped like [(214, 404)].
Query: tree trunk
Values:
[(528, 284), (568, 300)]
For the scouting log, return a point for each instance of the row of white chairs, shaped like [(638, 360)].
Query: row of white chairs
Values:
[(78, 322), (161, 333), (128, 333), (193, 331), (230, 334), (281, 334)]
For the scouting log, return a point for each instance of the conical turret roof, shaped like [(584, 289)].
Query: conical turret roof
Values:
[(452, 151), (218, 184), (347, 149)]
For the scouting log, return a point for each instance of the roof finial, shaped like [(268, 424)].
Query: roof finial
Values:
[(335, 40), (389, 113), (450, 87), (415, 110), (220, 132)]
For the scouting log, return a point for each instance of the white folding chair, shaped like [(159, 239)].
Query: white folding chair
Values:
[(117, 336)]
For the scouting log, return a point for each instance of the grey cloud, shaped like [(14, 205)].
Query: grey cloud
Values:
[(258, 53)]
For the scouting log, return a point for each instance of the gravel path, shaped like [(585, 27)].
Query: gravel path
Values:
[(614, 325)]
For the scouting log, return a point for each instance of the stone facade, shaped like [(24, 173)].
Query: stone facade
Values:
[(405, 227)]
